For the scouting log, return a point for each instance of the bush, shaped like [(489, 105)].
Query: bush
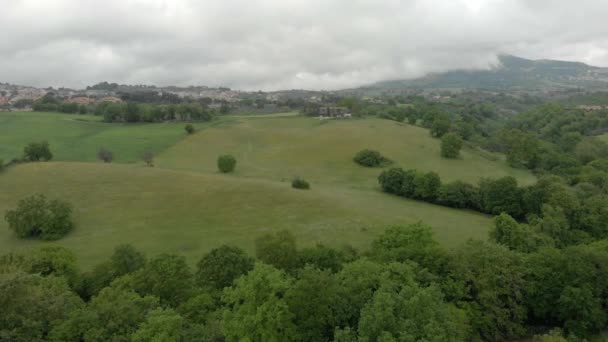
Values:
[(37, 151), (299, 183), (391, 180), (37, 217), (189, 129), (148, 158), (450, 145), (226, 163), (370, 158), (105, 155)]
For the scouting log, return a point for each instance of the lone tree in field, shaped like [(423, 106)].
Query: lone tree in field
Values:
[(450, 145), (226, 163), (299, 183), (148, 158), (37, 217), (189, 129), (37, 151), (105, 155), (370, 158)]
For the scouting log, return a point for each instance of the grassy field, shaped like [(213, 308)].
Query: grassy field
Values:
[(79, 137), (322, 151), (184, 206), (160, 210)]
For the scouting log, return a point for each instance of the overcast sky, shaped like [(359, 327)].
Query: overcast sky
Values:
[(284, 44)]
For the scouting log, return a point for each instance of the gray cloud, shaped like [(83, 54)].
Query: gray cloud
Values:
[(277, 44)]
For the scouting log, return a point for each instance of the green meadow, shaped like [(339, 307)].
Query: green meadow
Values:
[(183, 205)]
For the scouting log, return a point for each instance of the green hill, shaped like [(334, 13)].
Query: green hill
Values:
[(512, 72), (183, 205)]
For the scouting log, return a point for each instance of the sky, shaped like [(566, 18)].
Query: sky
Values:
[(285, 44)]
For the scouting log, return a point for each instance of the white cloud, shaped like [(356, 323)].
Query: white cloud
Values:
[(272, 44)]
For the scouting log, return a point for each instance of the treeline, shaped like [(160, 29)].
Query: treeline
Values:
[(557, 214), (406, 287), (134, 112)]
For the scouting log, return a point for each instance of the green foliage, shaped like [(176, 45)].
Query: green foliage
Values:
[(32, 304), (312, 299), (488, 282), (370, 158), (161, 325), (113, 315), (299, 183), (518, 237), (189, 128), (105, 155), (278, 250), (391, 180), (167, 277), (323, 257), (458, 194), (256, 308), (522, 148), (450, 145), (409, 243), (501, 195), (226, 163), (37, 217), (440, 127), (426, 186), (54, 261), (37, 151), (221, 266)]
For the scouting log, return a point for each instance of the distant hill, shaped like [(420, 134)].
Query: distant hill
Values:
[(512, 73)]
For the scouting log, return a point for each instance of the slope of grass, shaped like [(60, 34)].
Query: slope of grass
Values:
[(79, 137), (322, 151), (160, 210)]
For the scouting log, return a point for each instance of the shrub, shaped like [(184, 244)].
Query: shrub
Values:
[(105, 155), (450, 145), (148, 158), (426, 186), (37, 217), (299, 183), (37, 151), (226, 163), (391, 180), (189, 129), (370, 158)]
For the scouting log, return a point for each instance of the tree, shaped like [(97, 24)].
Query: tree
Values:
[(54, 261), (256, 309), (37, 151), (221, 266), (189, 129), (167, 277), (126, 259), (426, 186), (299, 183), (450, 145), (522, 148), (370, 158), (323, 257), (278, 250), (148, 158), (161, 325), (31, 304), (113, 315), (226, 163), (501, 195), (105, 155), (312, 299), (37, 217), (518, 237), (458, 194), (413, 242), (440, 127), (391, 180), (488, 282)]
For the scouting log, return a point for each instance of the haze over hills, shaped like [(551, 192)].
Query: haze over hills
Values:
[(512, 73)]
